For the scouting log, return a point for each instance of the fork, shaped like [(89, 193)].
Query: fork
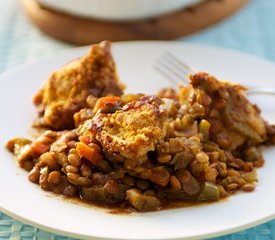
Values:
[(176, 70)]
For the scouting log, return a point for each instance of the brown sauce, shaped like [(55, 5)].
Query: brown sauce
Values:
[(125, 208)]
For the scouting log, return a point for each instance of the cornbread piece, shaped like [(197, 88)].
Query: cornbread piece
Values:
[(69, 89), (132, 132), (234, 120)]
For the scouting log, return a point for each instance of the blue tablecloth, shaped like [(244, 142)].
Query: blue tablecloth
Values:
[(251, 30)]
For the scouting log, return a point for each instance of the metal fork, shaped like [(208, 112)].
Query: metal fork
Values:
[(177, 71)]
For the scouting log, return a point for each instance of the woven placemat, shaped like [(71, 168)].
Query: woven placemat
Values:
[(20, 42), (15, 230)]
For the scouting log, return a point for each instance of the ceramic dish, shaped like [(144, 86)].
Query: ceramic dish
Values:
[(118, 10), (25, 201)]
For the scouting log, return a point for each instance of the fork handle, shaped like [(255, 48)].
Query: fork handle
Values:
[(263, 91)]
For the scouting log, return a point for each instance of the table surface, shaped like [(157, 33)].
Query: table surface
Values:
[(251, 30)]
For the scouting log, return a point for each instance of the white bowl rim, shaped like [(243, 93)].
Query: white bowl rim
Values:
[(120, 11)]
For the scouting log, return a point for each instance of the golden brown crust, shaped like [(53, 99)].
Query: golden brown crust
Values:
[(133, 131), (68, 88), (233, 118)]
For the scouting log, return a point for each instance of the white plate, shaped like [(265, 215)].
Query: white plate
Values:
[(25, 201)]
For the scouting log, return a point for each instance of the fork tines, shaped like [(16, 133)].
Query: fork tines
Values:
[(174, 69)]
